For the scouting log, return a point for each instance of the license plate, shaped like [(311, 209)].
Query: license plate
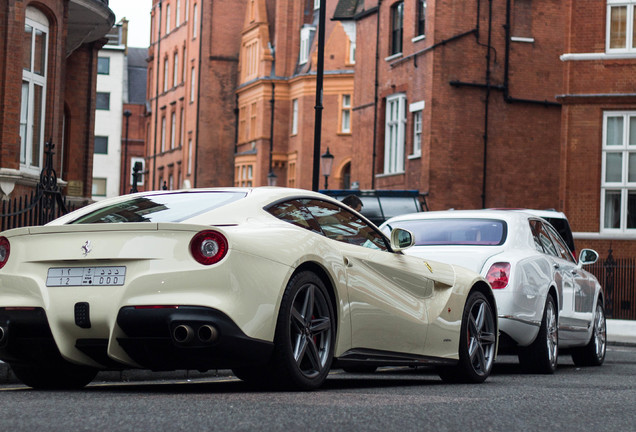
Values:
[(82, 276)]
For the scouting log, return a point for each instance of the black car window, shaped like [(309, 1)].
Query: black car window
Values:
[(167, 207), (542, 237), (340, 224), (562, 248), (455, 231), (295, 213)]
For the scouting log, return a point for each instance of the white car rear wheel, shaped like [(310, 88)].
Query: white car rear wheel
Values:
[(542, 355)]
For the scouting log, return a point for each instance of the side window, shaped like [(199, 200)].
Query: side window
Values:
[(562, 248), (541, 237), (339, 224), (294, 213)]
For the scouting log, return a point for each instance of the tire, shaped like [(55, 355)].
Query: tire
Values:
[(305, 334), (593, 354), (542, 355), (359, 369), (66, 376), (477, 343)]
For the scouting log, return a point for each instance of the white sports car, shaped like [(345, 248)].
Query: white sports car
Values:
[(280, 285), (546, 301)]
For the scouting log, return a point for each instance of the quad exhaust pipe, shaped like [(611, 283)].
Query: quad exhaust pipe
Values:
[(184, 334)]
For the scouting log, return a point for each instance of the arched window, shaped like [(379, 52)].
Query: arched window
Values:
[(33, 100)]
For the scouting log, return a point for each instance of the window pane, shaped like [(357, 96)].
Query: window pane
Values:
[(26, 47), (632, 130), (24, 113), (614, 131), (633, 27), (39, 57), (103, 65), (631, 169), (101, 145), (631, 209), (618, 25), (99, 187), (102, 101), (37, 125), (613, 167), (612, 209)]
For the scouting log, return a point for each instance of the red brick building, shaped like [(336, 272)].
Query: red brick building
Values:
[(598, 128), (465, 102), (192, 76), (276, 94), (48, 68)]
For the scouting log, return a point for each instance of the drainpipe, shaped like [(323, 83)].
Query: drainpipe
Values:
[(271, 129), (196, 138), (158, 57), (486, 107), (376, 86)]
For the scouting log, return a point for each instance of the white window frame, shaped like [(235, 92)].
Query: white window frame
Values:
[(394, 138), (630, 6), (294, 128), (345, 116), (190, 156), (625, 187), (305, 43), (316, 4), (195, 19), (173, 130), (417, 109), (168, 19), (175, 69), (192, 88), (38, 22), (165, 74), (177, 18), (163, 134)]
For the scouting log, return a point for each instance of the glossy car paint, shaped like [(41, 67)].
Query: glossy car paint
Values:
[(383, 301), (533, 275)]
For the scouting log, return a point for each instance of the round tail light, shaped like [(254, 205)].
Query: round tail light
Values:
[(208, 247), (5, 249), (499, 275)]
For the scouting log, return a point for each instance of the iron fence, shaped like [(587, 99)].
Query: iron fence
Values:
[(618, 278), (40, 206)]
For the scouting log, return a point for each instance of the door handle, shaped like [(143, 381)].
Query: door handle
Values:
[(556, 266), (347, 262), (574, 272)]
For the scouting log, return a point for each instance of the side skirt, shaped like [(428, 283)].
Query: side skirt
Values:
[(367, 357)]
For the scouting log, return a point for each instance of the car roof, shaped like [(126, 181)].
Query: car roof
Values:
[(505, 215)]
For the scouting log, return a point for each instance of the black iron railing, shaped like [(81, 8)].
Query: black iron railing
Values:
[(618, 278), (40, 206)]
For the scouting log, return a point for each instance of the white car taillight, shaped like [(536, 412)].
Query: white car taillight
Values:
[(208, 247), (5, 249), (499, 275)]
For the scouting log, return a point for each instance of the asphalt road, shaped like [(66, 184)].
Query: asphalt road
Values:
[(574, 399)]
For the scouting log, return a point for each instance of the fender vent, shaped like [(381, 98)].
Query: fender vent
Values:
[(82, 315)]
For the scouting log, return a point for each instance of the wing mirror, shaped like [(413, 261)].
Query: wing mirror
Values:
[(587, 257), (401, 239)]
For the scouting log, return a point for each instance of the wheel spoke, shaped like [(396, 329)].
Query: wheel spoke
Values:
[(320, 325), (314, 355), (300, 348), (308, 304)]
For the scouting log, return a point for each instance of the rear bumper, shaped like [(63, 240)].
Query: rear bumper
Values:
[(152, 339), (148, 338)]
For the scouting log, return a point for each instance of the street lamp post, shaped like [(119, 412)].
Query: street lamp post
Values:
[(127, 114), (326, 162)]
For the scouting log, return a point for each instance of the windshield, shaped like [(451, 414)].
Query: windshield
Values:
[(482, 232), (172, 207)]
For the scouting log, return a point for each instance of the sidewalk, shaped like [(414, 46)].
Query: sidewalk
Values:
[(619, 332)]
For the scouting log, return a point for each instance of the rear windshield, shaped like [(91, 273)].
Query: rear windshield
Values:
[(483, 232), (172, 207)]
